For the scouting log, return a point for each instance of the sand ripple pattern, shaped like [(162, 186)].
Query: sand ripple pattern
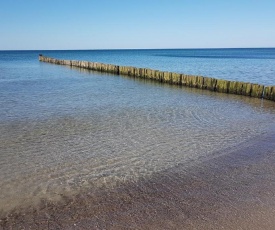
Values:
[(55, 157), (123, 132)]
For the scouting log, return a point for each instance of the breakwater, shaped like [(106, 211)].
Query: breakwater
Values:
[(200, 82)]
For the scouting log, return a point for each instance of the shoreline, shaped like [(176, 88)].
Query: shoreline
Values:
[(233, 190)]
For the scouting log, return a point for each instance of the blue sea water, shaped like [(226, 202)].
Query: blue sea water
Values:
[(28, 86), (249, 65), (255, 65), (63, 129)]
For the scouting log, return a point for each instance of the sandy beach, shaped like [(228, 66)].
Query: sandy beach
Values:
[(232, 191)]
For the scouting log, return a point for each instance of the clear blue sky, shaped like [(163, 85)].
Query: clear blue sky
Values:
[(122, 24)]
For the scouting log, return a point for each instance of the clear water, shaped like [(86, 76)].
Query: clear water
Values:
[(65, 129)]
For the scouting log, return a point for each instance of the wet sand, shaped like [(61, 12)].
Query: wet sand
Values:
[(235, 190)]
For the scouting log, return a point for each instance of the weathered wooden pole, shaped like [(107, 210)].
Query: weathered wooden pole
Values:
[(211, 84)]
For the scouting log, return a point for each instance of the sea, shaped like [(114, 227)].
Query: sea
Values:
[(65, 130)]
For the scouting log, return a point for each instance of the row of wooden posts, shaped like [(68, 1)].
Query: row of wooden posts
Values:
[(200, 82)]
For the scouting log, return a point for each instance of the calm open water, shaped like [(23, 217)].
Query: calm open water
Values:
[(64, 129)]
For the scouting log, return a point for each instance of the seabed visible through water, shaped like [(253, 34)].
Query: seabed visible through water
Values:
[(82, 150)]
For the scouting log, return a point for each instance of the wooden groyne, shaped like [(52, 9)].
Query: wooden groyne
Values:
[(200, 82)]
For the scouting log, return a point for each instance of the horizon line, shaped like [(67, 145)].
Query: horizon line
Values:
[(136, 49)]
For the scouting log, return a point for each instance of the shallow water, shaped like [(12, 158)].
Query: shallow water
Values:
[(232, 190), (122, 134), (65, 130)]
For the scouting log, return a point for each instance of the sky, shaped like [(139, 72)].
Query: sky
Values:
[(136, 24)]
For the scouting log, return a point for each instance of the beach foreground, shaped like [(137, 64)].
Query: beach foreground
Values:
[(232, 191), (86, 150)]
